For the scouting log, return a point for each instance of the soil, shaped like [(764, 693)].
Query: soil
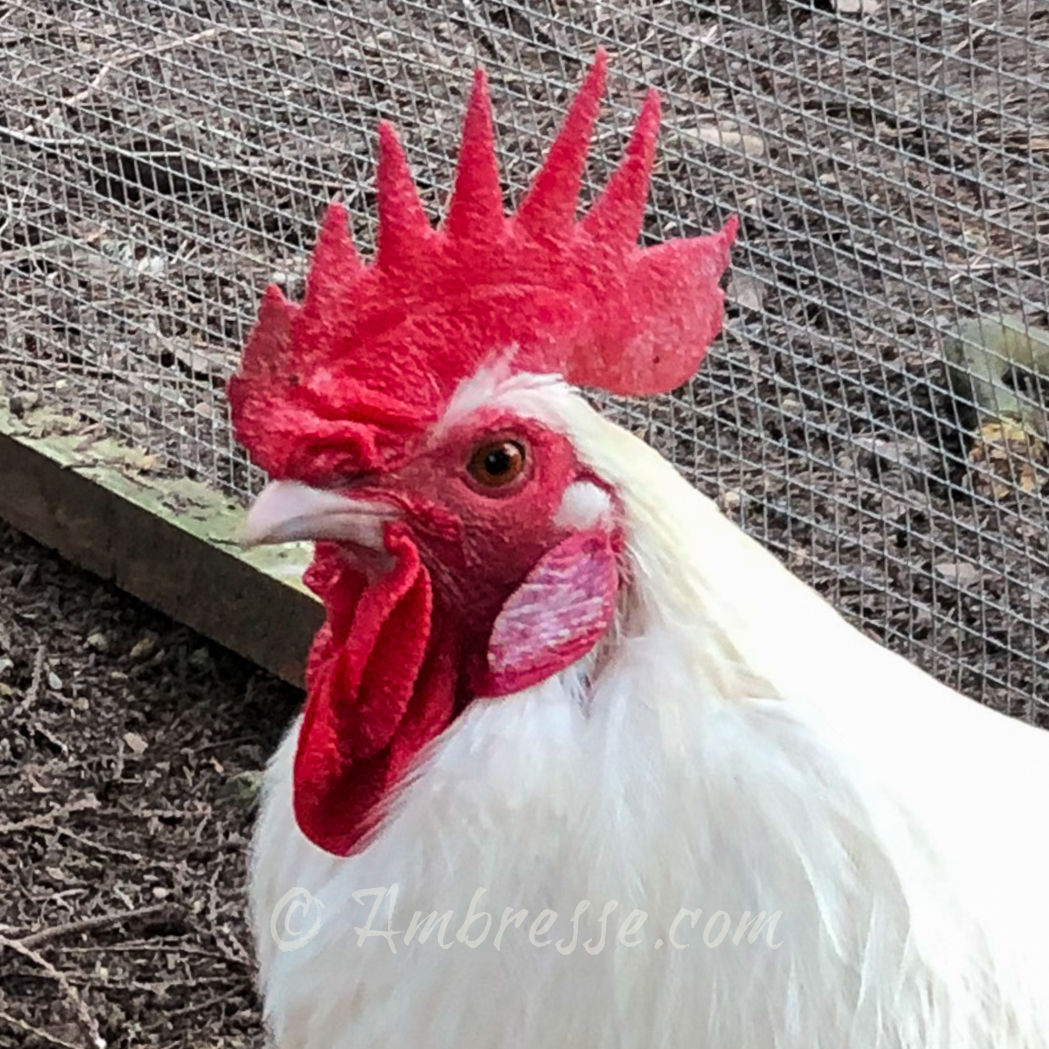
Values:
[(127, 760), (156, 170)]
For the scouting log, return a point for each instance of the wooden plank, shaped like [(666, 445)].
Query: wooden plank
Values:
[(170, 542)]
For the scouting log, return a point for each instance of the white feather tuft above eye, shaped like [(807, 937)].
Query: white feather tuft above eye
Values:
[(497, 385), (582, 506)]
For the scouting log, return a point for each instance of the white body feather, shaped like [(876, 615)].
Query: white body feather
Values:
[(736, 747)]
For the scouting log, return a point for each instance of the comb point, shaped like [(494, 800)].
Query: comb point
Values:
[(620, 209), (334, 263), (475, 210), (402, 221), (550, 204), (266, 347)]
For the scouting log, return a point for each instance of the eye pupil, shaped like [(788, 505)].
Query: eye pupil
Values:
[(497, 463)]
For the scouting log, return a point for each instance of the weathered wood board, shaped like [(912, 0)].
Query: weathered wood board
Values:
[(170, 542)]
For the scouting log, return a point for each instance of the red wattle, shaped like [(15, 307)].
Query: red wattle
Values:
[(372, 704)]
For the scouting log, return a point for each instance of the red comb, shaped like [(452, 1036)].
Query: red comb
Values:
[(375, 351)]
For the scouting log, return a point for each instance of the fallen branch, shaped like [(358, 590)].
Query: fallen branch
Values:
[(87, 1021), (28, 1028), (46, 820), (33, 692), (109, 850), (98, 921)]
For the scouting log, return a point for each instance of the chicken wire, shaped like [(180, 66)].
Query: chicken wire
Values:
[(161, 162)]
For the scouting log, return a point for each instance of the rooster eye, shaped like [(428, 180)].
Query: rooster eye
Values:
[(497, 463)]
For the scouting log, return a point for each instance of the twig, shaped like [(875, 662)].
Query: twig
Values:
[(27, 138), (969, 41), (153, 986), (50, 737), (54, 247), (118, 764), (157, 943), (130, 57), (98, 921), (281, 177), (9, 209), (45, 821), (109, 850), (196, 1007), (33, 692), (83, 1013), (28, 1028)]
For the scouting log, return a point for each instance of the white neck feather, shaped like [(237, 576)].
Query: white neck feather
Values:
[(740, 619)]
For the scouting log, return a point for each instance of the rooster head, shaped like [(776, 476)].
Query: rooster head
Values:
[(405, 412)]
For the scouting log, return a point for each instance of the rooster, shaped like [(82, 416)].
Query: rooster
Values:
[(581, 765)]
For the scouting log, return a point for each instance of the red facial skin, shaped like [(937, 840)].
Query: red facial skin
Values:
[(477, 542), (402, 654)]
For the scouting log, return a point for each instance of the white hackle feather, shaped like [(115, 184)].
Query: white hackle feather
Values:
[(733, 746)]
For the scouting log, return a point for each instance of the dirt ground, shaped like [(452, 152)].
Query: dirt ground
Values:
[(157, 171), (126, 757)]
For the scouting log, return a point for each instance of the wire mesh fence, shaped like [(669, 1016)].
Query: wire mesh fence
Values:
[(161, 161)]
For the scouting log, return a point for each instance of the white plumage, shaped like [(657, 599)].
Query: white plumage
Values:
[(733, 746)]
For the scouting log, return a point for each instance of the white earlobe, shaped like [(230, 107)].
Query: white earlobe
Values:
[(583, 506)]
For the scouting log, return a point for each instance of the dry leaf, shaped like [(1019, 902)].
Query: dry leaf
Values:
[(898, 449), (960, 572), (729, 500), (857, 7), (192, 359), (727, 135), (144, 647), (21, 403), (141, 462), (135, 743), (1008, 456), (98, 642), (746, 291)]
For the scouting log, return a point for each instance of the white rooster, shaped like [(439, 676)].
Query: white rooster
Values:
[(582, 766)]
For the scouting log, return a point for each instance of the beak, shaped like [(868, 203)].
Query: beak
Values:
[(288, 510)]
